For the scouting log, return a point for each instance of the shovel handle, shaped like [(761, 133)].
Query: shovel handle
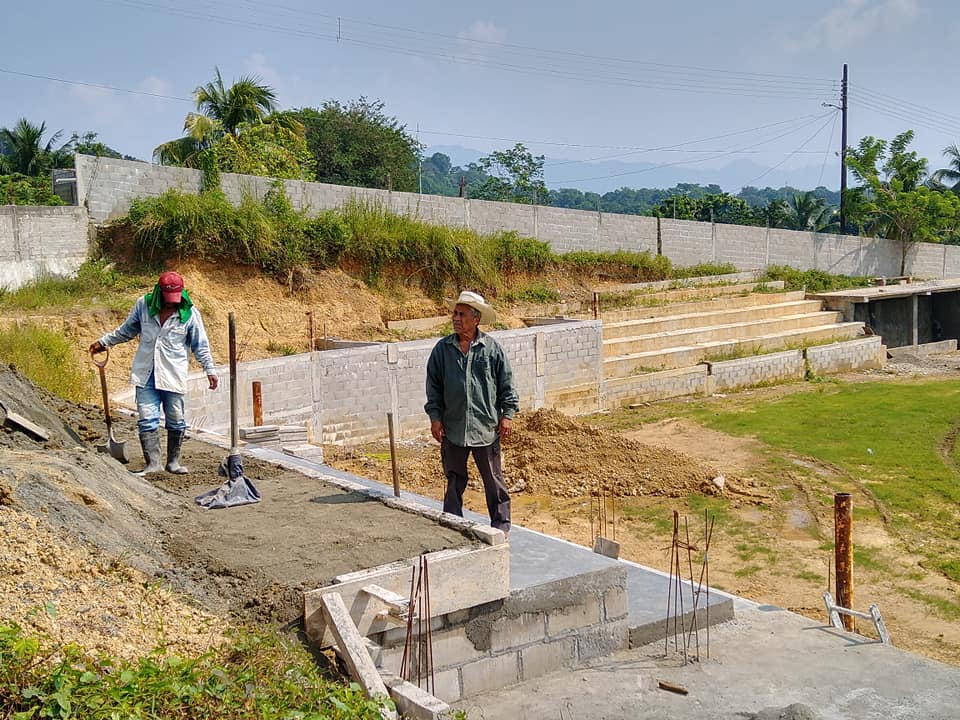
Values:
[(100, 363), (103, 385)]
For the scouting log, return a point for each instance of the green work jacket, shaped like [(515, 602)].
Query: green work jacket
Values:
[(470, 393)]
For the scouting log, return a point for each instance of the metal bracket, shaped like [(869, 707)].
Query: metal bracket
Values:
[(835, 611)]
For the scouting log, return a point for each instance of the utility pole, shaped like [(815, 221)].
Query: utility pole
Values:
[(843, 151), (842, 107)]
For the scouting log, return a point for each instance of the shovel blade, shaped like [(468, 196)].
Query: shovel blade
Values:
[(118, 450)]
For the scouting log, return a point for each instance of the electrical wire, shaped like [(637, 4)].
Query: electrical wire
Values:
[(802, 145), (82, 83)]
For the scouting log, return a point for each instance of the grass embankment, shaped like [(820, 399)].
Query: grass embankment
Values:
[(260, 675), (896, 442)]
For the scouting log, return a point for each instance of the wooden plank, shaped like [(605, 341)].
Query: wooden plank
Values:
[(352, 648), (460, 578)]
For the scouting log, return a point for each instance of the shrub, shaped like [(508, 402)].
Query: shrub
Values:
[(813, 281)]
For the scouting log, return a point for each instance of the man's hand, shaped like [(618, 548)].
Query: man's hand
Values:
[(436, 429), (96, 347), (213, 381), (506, 425)]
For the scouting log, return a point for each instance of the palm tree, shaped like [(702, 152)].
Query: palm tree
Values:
[(246, 101), (950, 174), (223, 110), (806, 211), (25, 152)]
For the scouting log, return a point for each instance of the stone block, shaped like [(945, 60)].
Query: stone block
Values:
[(453, 648), (490, 674), (514, 632), (574, 617), (615, 603), (603, 640), (544, 658)]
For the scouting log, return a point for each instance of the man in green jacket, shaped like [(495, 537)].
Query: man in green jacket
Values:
[(471, 401)]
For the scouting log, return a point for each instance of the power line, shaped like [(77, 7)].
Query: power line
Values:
[(725, 153), (802, 145), (82, 83)]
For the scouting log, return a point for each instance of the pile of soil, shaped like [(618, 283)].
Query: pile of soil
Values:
[(551, 454), (91, 552)]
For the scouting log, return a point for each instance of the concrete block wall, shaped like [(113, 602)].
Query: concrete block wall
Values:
[(745, 372), (41, 241), (346, 394), (687, 242), (745, 247), (106, 186), (649, 387), (533, 632), (868, 352)]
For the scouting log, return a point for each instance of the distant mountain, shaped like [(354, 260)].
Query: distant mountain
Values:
[(604, 176)]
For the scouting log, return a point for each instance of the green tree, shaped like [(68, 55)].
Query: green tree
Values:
[(513, 175), (24, 151), (951, 173), (222, 110), (893, 202), (267, 149), (806, 211), (358, 144)]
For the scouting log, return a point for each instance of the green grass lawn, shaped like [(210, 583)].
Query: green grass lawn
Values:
[(892, 438)]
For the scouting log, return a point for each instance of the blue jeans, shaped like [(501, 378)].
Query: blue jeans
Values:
[(149, 400)]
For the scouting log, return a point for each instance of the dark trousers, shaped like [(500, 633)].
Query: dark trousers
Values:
[(454, 459)]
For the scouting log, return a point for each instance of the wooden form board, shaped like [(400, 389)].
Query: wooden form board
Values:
[(459, 579), (352, 649)]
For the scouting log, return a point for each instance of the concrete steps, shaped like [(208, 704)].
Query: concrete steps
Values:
[(730, 310), (667, 307), (686, 355), (703, 335)]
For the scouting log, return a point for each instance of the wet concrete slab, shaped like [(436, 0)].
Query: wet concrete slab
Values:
[(537, 559)]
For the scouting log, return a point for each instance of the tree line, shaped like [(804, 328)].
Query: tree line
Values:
[(238, 128)]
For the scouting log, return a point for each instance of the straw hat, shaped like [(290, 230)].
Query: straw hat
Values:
[(488, 315)]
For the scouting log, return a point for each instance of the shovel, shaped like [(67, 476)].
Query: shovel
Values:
[(117, 449)]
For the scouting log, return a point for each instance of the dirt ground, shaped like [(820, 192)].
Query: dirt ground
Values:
[(91, 552)]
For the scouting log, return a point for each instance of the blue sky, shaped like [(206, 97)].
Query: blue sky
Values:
[(693, 86)]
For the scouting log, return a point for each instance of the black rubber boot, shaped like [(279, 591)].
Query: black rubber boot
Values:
[(174, 442), (150, 442)]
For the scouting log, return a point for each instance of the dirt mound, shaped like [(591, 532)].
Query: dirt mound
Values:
[(552, 454)]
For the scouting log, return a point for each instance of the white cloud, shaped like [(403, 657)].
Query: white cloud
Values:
[(483, 32), (257, 65), (155, 86), (854, 22)]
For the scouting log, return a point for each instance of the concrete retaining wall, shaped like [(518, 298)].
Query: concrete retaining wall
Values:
[(106, 186), (41, 241), (708, 378), (536, 631), (344, 395), (868, 352), (745, 372)]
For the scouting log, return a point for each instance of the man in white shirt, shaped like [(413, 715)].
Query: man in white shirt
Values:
[(169, 327)]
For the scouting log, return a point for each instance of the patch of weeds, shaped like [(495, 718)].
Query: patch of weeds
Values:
[(947, 609), (867, 558), (950, 568), (810, 576), (535, 293), (280, 348), (47, 359), (747, 571)]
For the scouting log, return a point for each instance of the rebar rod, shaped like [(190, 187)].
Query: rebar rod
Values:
[(694, 628)]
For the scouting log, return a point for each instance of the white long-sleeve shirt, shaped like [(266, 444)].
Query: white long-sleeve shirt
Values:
[(164, 349)]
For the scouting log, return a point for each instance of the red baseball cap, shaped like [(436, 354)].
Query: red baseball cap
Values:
[(171, 285)]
